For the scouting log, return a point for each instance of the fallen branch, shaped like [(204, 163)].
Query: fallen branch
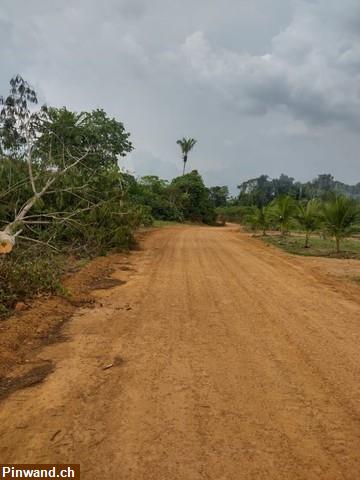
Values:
[(8, 234)]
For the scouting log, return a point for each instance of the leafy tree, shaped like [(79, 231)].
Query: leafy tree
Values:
[(219, 195), (186, 145), (283, 210), (341, 218), (308, 216), (284, 185), (324, 184), (352, 191), (17, 122), (65, 134), (193, 198), (256, 191), (322, 187), (156, 194)]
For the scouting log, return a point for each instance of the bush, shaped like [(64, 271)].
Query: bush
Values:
[(26, 272), (232, 213)]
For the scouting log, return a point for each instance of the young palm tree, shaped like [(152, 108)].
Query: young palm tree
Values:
[(308, 216), (283, 210), (341, 218), (186, 144), (258, 218)]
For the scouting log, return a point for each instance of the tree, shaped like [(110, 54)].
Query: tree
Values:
[(284, 185), (341, 218), (17, 122), (18, 127), (193, 198), (323, 186), (186, 145), (308, 215), (283, 210), (259, 218), (68, 156), (256, 191), (219, 195), (65, 133), (156, 194)]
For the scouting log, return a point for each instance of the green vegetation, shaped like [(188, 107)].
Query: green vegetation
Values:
[(29, 271), (259, 218), (164, 223), (308, 217), (341, 218), (63, 192), (336, 220), (321, 206), (283, 211), (231, 213), (319, 247), (193, 198)]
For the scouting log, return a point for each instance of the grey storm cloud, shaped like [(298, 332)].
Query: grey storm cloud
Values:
[(228, 73), (312, 68)]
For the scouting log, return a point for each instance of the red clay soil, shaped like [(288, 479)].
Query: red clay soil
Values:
[(220, 358), (40, 322)]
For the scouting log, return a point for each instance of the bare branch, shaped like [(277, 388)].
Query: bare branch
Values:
[(14, 187), (29, 160), (39, 242), (9, 231), (72, 165)]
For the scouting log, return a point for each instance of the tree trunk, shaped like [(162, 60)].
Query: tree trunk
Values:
[(337, 245), (185, 160), (7, 242), (307, 240)]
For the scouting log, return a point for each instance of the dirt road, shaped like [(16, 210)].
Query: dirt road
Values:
[(230, 361)]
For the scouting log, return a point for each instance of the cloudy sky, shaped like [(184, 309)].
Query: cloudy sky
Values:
[(264, 86)]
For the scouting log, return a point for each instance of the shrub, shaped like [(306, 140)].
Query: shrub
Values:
[(26, 272), (233, 213)]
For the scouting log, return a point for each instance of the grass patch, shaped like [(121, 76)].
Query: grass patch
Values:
[(165, 223), (319, 247)]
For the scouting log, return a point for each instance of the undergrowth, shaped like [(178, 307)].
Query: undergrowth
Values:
[(26, 272)]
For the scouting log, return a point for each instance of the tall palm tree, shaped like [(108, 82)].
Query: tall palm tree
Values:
[(186, 144), (341, 218), (308, 216)]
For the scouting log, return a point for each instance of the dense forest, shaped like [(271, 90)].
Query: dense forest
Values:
[(63, 191)]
